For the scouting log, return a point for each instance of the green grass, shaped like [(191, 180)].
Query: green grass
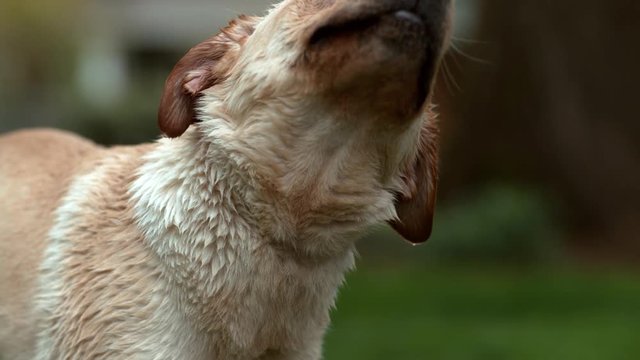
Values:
[(455, 315)]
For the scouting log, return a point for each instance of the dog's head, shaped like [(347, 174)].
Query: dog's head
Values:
[(366, 64)]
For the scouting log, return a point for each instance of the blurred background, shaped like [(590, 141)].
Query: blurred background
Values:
[(536, 250)]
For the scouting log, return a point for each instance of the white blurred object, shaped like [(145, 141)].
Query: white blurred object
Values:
[(102, 72)]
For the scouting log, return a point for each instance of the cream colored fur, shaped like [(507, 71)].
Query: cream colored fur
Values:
[(228, 242)]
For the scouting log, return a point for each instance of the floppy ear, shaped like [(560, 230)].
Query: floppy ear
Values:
[(204, 66), (416, 204)]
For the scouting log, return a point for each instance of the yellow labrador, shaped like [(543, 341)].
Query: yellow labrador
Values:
[(287, 135)]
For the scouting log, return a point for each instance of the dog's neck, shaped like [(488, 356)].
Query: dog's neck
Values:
[(207, 212), (323, 177)]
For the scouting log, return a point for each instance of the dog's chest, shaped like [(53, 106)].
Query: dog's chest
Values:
[(241, 299), (266, 304)]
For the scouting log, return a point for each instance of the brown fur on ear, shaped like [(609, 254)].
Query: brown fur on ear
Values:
[(416, 204), (204, 66)]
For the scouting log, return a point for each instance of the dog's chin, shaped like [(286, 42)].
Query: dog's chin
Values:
[(402, 30), (392, 51)]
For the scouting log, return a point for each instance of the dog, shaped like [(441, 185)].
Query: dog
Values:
[(286, 137)]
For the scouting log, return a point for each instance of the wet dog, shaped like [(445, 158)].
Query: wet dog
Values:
[(287, 136)]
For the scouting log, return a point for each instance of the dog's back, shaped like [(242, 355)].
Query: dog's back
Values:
[(35, 169)]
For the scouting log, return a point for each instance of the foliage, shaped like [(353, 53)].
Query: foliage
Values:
[(503, 223)]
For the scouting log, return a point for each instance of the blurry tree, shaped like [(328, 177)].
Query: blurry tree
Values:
[(36, 43), (556, 104)]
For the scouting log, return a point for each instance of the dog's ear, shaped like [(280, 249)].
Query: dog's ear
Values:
[(415, 205), (204, 66)]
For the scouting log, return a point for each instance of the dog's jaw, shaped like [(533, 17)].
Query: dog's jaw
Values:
[(370, 51)]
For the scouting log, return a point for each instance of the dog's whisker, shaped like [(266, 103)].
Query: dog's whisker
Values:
[(454, 57), (469, 41), (465, 55), (449, 78)]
